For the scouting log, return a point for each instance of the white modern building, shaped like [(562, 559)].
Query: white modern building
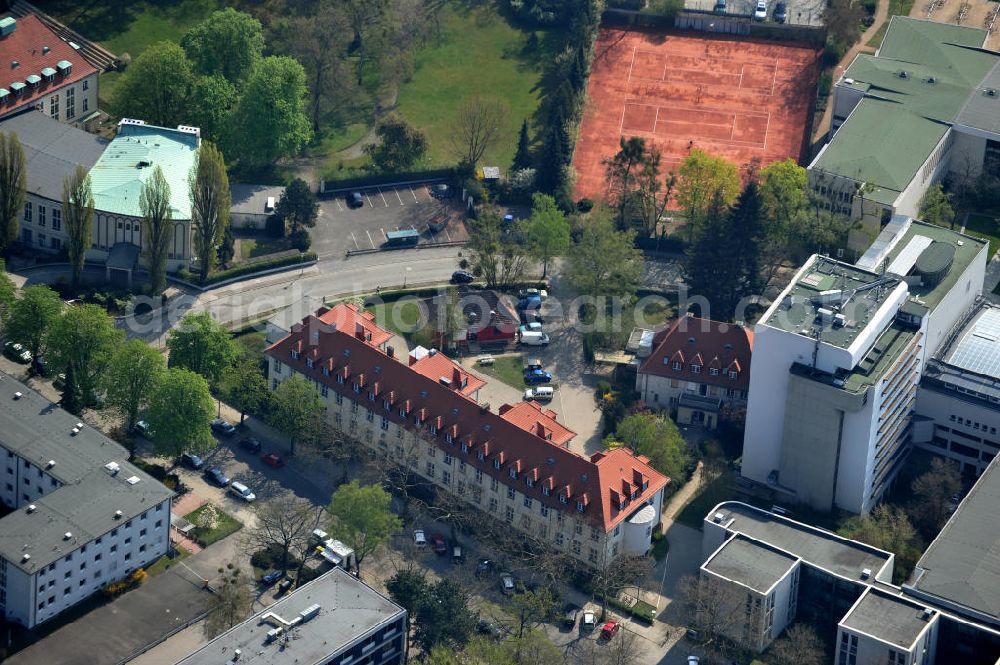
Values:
[(82, 516), (837, 360), (884, 627), (924, 108)]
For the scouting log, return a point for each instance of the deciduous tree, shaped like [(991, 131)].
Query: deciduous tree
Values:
[(297, 205), (784, 199), (180, 413), (362, 518), (655, 437), (800, 645), (932, 491), (156, 86), (935, 207), (84, 337), (547, 231), (443, 616), (701, 176), (244, 387), (400, 145), (496, 252), (132, 373), (230, 602), (285, 523), (13, 192), (210, 202), (888, 528), (8, 291), (708, 272), (28, 319), (604, 262), (211, 106), (228, 43), (478, 127), (297, 410), (201, 345), (78, 218), (157, 227)]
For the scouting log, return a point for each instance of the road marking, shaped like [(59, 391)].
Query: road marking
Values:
[(415, 199), (446, 234), (339, 207), (356, 245), (384, 235), (396, 192), (370, 204), (370, 238), (383, 198)]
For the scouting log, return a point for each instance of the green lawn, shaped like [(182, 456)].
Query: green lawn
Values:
[(722, 488), (165, 561), (896, 8), (261, 246), (985, 226), (227, 526), (509, 369), (402, 317), (478, 53), (252, 342)]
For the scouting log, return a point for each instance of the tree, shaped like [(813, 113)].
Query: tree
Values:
[(270, 121), (746, 228), (522, 157), (244, 387), (614, 575), (932, 491), (547, 232), (13, 192), (800, 645), (655, 437), (784, 199), (495, 252), (707, 267), (935, 207), (604, 262), (478, 127), (888, 528), (716, 613), (701, 176), (28, 319), (71, 400), (443, 616), (297, 410), (180, 413), (84, 337), (8, 291), (210, 202), (228, 43), (211, 105), (154, 201), (156, 86), (408, 589), (297, 205), (78, 217), (362, 518), (132, 372), (653, 193), (843, 22), (230, 602), (201, 345), (531, 608), (400, 145), (368, 19), (285, 523), (620, 173), (227, 249)]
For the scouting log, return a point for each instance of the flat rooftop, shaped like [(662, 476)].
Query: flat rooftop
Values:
[(978, 348), (887, 617), (751, 563), (118, 176), (962, 565), (348, 609), (815, 546)]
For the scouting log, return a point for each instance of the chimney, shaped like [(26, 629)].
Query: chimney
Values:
[(456, 378), (391, 352), (359, 331)]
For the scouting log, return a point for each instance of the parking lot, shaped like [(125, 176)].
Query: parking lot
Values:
[(342, 228), (800, 12)]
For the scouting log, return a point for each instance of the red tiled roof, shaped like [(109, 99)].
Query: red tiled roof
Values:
[(691, 340), (27, 46), (438, 366), (353, 320), (529, 416), (581, 479)]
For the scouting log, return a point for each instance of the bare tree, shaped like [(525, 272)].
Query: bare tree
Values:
[(717, 612), (286, 524), (613, 575), (478, 127), (800, 645), (230, 602)]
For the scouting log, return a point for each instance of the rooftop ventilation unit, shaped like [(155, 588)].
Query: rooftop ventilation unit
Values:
[(718, 517), (866, 573), (51, 463), (118, 514), (32, 508), (79, 425), (112, 468), (26, 557), (132, 480), (927, 614), (45, 50), (67, 535), (310, 612), (903, 74), (74, 431), (991, 92), (274, 634), (7, 26), (18, 395), (931, 79)]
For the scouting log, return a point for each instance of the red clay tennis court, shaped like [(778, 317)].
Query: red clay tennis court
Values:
[(733, 98)]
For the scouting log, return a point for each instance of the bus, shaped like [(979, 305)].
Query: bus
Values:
[(402, 238)]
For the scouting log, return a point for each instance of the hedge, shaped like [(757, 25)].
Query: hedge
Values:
[(247, 268), (641, 611), (330, 187)]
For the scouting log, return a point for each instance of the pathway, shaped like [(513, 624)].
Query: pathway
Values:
[(681, 498), (881, 15)]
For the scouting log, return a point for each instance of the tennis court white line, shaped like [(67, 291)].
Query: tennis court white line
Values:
[(774, 77), (699, 109), (767, 127), (630, 65)]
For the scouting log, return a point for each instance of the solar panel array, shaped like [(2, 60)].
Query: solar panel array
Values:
[(979, 349)]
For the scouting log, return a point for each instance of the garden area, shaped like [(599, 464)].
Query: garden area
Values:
[(211, 524), (986, 227), (509, 369), (896, 8)]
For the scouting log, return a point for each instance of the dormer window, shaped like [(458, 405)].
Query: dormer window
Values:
[(714, 371), (340, 379), (309, 363), (295, 354), (696, 369), (513, 473), (678, 367), (465, 448), (529, 482), (580, 505), (402, 413), (645, 485), (448, 437), (386, 405), (545, 490), (635, 493), (357, 388), (621, 504), (733, 375), (481, 456), (326, 371), (496, 463), (563, 499), (434, 430)]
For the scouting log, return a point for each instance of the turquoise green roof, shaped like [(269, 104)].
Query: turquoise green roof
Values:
[(129, 160), (33, 78), (48, 71)]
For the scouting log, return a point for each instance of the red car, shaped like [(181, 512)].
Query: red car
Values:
[(437, 542), (609, 629), (271, 459)]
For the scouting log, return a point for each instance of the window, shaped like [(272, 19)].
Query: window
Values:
[(496, 462), (86, 86), (580, 506), (560, 540), (528, 502), (678, 366), (448, 458), (714, 371), (594, 534), (340, 399), (592, 555), (510, 493), (696, 369), (430, 469), (545, 490), (70, 103), (576, 547), (309, 362), (479, 476), (733, 375), (41, 215), (446, 477), (385, 423), (494, 485), (544, 509), (142, 533), (54, 106), (278, 367), (509, 515), (512, 472), (27, 211), (369, 415)]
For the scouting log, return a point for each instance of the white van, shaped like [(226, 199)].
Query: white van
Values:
[(543, 394), (532, 338), (241, 491)]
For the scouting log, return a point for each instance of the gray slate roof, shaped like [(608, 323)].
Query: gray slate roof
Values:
[(751, 563), (52, 150), (84, 505), (887, 617), (962, 565), (348, 608)]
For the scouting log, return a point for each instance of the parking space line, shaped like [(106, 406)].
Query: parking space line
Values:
[(383, 198), (396, 192), (446, 234), (370, 204), (415, 199), (339, 207), (356, 245), (370, 238), (427, 191), (384, 235)]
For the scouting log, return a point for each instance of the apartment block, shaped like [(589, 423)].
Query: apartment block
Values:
[(886, 628), (838, 359), (420, 414), (82, 516)]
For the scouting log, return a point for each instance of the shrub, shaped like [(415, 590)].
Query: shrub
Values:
[(275, 226), (300, 240), (463, 264), (184, 274), (584, 205), (248, 268), (269, 558), (603, 389)]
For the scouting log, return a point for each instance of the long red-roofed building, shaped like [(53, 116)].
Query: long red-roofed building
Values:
[(41, 70), (593, 509)]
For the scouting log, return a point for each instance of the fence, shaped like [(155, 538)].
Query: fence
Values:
[(709, 21), (332, 187)]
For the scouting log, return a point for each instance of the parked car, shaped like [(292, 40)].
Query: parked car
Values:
[(285, 585), (250, 443), (216, 477), (530, 302), (507, 583), (142, 428), (570, 613), (534, 326), (241, 491), (610, 629), (17, 352), (437, 542), (462, 277), (271, 577), (534, 338), (542, 394), (456, 554), (780, 12), (355, 200), (537, 376), (589, 621), (533, 293), (484, 567), (273, 460), (484, 627), (192, 461), (720, 7), (419, 539), (223, 427), (760, 13), (693, 660), (534, 363), (440, 191)]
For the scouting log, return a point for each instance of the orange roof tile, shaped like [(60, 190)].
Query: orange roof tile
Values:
[(529, 416), (437, 366), (701, 340), (353, 320)]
